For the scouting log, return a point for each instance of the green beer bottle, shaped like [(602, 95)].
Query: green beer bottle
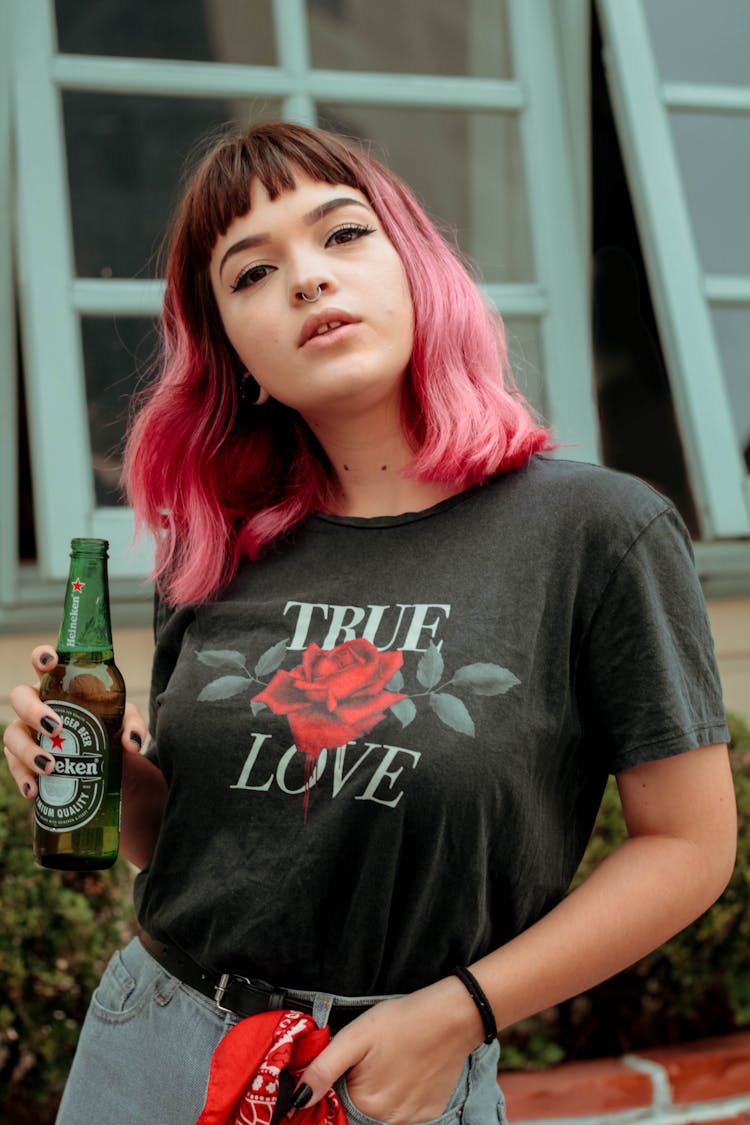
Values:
[(77, 811)]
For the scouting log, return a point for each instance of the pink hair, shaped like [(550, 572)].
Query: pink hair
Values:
[(215, 486)]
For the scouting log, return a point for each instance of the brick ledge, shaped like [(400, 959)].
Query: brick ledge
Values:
[(707, 1081)]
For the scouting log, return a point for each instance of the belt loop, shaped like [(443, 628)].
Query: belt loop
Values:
[(219, 991), (322, 1004)]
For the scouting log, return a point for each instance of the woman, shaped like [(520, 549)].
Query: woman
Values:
[(398, 652)]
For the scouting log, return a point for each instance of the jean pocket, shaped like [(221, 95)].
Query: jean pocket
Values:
[(449, 1116), (129, 981)]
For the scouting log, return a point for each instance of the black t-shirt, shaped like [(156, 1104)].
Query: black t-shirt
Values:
[(386, 742)]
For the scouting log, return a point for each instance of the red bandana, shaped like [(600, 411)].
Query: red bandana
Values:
[(245, 1067)]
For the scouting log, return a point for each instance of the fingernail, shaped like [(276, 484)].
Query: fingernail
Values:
[(136, 738), (41, 762), (301, 1096), (26, 788), (48, 724), (45, 658)]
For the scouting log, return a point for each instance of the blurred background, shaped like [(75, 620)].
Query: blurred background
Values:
[(592, 158)]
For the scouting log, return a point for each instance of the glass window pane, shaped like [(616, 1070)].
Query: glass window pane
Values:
[(125, 157), (466, 168), (197, 30), (115, 354), (524, 341), (696, 41), (418, 37), (713, 152), (732, 327)]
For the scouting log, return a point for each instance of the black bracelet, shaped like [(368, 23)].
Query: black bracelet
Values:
[(476, 992)]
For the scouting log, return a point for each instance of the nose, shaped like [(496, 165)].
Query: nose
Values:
[(309, 277)]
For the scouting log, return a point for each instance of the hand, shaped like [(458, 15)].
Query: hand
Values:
[(402, 1057), (25, 760)]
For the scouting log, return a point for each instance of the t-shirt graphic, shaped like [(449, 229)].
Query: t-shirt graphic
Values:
[(335, 697)]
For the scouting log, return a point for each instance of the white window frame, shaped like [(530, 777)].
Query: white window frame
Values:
[(8, 369), (641, 102), (52, 298)]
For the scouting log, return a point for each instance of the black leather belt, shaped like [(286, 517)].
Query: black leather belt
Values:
[(236, 994)]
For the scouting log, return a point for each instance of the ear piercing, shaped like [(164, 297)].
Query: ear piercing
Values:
[(249, 391)]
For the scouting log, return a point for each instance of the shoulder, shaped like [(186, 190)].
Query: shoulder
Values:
[(170, 622), (585, 500), (578, 518), (583, 484)]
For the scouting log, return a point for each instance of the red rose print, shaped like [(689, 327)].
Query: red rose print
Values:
[(336, 696)]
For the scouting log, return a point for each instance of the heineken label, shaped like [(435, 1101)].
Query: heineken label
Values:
[(72, 795), (73, 610)]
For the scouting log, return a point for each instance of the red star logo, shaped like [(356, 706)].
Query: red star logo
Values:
[(78, 585), (57, 742)]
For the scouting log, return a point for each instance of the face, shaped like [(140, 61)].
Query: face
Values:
[(350, 349)]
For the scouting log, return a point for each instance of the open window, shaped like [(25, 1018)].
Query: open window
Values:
[(679, 76)]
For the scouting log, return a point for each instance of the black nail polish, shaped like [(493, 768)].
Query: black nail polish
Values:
[(301, 1096), (41, 762), (44, 659), (26, 788), (136, 738), (48, 724)]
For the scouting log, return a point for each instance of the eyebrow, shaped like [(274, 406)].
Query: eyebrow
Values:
[(310, 218)]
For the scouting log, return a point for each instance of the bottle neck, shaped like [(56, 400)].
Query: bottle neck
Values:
[(86, 628)]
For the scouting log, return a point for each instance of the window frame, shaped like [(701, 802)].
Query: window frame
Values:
[(8, 384), (641, 102)]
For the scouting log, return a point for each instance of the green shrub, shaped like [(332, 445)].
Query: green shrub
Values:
[(696, 985), (58, 931)]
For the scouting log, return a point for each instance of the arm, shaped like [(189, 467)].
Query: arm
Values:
[(679, 855), (144, 794), (404, 1056), (144, 787)]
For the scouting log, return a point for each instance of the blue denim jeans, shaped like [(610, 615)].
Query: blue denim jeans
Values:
[(146, 1045)]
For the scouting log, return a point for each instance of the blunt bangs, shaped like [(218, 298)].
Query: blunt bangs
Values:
[(219, 190)]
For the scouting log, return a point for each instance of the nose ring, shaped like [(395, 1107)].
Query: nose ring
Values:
[(311, 300)]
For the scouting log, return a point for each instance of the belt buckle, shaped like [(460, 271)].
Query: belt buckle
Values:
[(221, 988)]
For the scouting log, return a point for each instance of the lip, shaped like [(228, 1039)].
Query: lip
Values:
[(323, 316)]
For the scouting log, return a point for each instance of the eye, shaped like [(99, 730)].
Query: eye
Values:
[(350, 232), (251, 276)]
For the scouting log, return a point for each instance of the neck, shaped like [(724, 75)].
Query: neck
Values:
[(369, 456)]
